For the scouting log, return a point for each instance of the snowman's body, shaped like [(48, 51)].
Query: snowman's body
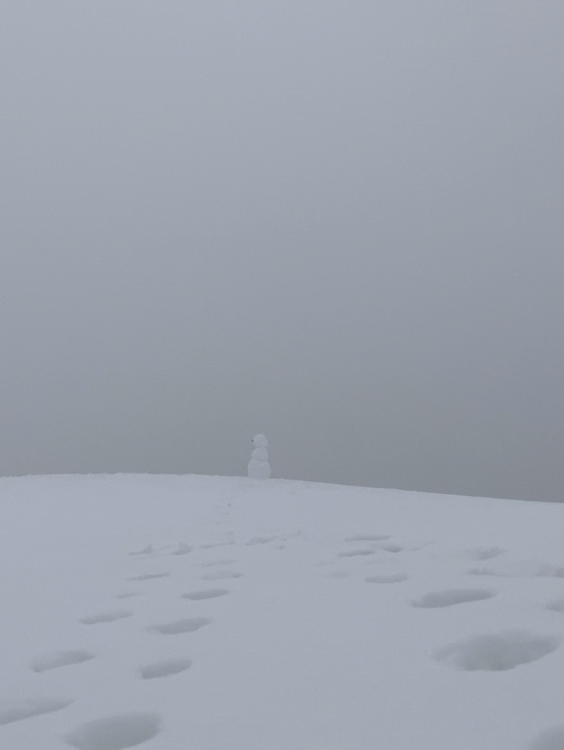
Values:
[(259, 465)]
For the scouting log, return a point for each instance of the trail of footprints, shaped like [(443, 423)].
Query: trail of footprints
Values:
[(494, 652), (487, 652), (129, 729)]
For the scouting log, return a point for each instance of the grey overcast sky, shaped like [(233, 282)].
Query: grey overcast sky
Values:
[(337, 222)]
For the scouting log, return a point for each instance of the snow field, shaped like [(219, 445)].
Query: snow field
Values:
[(206, 612)]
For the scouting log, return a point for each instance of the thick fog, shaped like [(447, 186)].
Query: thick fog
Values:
[(339, 223)]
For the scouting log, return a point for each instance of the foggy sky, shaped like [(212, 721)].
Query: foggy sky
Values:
[(339, 223)]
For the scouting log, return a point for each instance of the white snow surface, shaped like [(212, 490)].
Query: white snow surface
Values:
[(169, 612)]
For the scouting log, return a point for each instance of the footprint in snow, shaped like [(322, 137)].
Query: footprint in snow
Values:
[(148, 550), (497, 652), (550, 739), (115, 732), (206, 594), (556, 606), (100, 617), (177, 627), (356, 553), (387, 578), (148, 576), (182, 549), (221, 575), (520, 569), (550, 571), (260, 540), (450, 597), (18, 710), (367, 538), (60, 659), (165, 668), (391, 547)]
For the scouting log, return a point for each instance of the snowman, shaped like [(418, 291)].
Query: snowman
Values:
[(259, 466)]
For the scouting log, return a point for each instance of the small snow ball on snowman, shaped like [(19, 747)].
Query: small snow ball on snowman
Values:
[(259, 465)]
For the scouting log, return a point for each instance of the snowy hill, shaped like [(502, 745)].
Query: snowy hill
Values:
[(210, 613)]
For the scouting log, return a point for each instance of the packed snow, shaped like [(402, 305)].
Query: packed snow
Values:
[(171, 612), (259, 465)]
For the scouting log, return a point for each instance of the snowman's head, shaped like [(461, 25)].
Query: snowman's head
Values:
[(260, 441)]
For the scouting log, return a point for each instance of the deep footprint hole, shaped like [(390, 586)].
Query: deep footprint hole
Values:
[(497, 652), (115, 732)]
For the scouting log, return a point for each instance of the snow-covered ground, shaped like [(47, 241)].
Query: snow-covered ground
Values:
[(222, 613)]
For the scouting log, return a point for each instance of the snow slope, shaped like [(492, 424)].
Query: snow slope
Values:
[(210, 613)]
